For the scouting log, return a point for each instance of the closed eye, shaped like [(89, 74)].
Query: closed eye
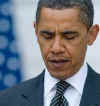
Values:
[(46, 34), (70, 35)]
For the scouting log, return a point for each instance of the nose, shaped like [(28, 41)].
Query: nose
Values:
[(57, 46)]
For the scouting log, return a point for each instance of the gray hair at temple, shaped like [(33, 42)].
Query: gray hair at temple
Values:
[(85, 6)]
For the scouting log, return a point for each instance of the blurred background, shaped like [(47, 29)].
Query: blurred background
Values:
[(20, 57)]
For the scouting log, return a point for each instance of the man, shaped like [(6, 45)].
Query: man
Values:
[(64, 29)]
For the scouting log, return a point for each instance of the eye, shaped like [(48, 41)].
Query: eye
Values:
[(69, 35), (46, 34)]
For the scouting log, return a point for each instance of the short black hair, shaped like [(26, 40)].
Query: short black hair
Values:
[(85, 6)]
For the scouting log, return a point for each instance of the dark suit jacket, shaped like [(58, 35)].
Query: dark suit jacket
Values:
[(30, 93)]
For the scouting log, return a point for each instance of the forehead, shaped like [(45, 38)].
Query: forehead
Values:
[(54, 17), (57, 13)]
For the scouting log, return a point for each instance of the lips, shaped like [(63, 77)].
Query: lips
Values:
[(58, 63)]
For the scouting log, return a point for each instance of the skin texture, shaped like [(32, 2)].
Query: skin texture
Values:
[(63, 40)]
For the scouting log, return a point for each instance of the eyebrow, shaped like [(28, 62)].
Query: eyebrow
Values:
[(52, 33), (47, 32), (69, 32)]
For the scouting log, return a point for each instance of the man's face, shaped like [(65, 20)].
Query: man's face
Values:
[(63, 41)]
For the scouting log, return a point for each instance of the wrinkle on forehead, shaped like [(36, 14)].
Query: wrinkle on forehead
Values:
[(58, 14), (60, 20)]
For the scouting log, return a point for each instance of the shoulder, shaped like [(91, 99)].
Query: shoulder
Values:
[(93, 74), (93, 77), (29, 85)]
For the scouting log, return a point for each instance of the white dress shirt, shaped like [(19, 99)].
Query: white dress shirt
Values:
[(73, 94)]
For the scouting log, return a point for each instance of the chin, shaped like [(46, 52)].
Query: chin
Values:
[(62, 75), (59, 75)]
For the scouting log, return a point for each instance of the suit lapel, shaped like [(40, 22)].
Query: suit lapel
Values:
[(91, 92), (33, 94)]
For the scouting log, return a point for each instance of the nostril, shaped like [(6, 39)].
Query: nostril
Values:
[(57, 50), (57, 45)]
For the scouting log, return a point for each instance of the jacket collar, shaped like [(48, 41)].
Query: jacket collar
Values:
[(91, 92), (90, 97), (31, 98)]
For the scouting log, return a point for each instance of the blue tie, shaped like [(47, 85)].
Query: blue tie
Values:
[(59, 99)]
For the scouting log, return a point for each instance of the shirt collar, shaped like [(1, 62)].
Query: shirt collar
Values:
[(49, 82), (77, 81)]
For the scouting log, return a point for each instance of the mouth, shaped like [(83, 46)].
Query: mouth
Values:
[(59, 63)]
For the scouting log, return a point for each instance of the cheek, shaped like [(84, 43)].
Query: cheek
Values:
[(81, 51), (44, 49), (78, 50), (45, 46)]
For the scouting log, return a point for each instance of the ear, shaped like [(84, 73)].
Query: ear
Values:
[(35, 27), (92, 34)]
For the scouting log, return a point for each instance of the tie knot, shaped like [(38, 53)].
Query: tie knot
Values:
[(61, 87)]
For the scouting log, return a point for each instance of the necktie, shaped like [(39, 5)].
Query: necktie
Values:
[(59, 99)]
